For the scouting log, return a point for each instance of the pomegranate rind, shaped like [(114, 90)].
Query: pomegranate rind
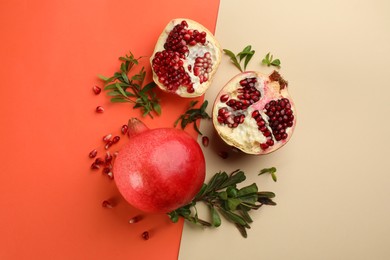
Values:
[(212, 46), (246, 137), (160, 170)]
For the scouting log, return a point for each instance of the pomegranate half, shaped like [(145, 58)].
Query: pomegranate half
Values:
[(159, 170), (254, 112), (185, 58)]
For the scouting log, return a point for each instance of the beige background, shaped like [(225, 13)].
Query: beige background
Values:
[(334, 175)]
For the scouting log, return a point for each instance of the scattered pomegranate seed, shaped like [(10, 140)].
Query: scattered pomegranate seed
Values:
[(99, 161), (116, 153), (115, 139), (223, 154), (95, 166), (107, 204), (135, 219), (108, 144), (124, 129), (145, 235), (205, 141), (93, 153), (96, 90), (99, 109), (107, 137), (108, 157)]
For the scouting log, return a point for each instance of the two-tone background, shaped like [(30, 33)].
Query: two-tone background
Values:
[(333, 176)]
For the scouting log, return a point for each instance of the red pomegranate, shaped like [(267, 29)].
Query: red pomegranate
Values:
[(185, 58), (159, 170), (255, 113)]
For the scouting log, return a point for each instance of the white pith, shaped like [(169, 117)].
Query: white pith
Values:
[(198, 50), (246, 136)]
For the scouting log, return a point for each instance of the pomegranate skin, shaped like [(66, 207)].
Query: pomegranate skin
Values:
[(160, 170)]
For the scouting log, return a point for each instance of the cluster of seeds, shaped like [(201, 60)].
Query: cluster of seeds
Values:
[(248, 94), (168, 64), (263, 128), (280, 117), (106, 163)]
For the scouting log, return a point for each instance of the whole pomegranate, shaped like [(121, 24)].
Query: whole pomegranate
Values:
[(185, 58), (159, 170), (255, 113)]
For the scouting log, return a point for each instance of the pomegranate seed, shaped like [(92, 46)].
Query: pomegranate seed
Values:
[(223, 154), (124, 129), (99, 161), (106, 170), (116, 153), (95, 166), (108, 157), (224, 98), (107, 204), (145, 235), (205, 141), (108, 144), (135, 219), (93, 153), (99, 109), (107, 137), (264, 146), (116, 139), (96, 90)]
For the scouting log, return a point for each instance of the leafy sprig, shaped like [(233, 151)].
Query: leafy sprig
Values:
[(245, 55), (123, 88), (269, 61), (193, 114), (224, 198), (271, 171)]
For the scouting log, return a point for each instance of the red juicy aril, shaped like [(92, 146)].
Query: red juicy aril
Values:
[(159, 170), (185, 58), (255, 113)]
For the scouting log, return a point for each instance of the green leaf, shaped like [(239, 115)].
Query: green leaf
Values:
[(114, 93), (125, 78), (244, 52), (119, 100), (245, 215), (216, 219), (231, 191), (173, 216), (248, 190), (148, 87), (271, 171), (233, 217), (118, 87), (248, 58), (276, 63), (235, 178), (223, 195), (157, 108), (266, 194), (102, 77), (232, 203), (242, 230), (233, 58), (201, 192)]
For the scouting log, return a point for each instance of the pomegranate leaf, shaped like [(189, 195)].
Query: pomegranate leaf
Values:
[(222, 196), (246, 54), (124, 89), (269, 61), (192, 115), (271, 171)]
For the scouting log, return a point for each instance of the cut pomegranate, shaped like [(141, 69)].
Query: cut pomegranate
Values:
[(255, 113), (185, 58)]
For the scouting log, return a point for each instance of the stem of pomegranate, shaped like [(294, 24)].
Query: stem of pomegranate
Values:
[(135, 127)]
